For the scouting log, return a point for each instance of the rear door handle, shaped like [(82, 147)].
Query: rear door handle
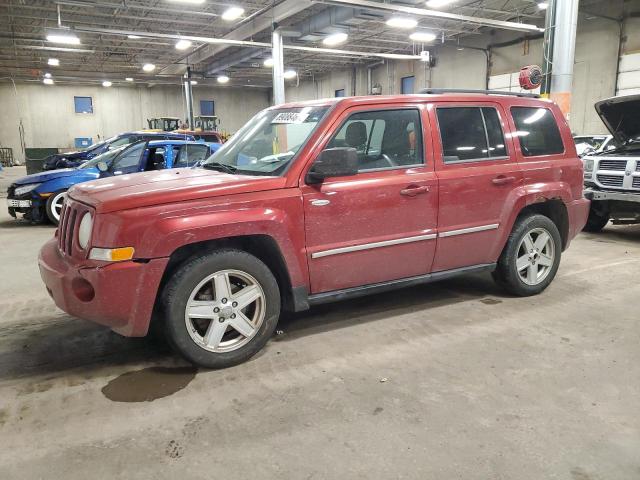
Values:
[(413, 190), (502, 180)]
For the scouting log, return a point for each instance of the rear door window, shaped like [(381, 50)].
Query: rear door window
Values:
[(537, 131), (191, 154), (470, 134)]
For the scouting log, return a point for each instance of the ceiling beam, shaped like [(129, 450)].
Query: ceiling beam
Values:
[(423, 12)]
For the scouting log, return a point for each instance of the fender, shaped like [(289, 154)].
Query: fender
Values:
[(522, 197), (158, 231)]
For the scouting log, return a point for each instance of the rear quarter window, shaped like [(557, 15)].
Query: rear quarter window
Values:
[(537, 131)]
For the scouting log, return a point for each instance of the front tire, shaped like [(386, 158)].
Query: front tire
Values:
[(220, 308), (531, 257), (54, 206), (597, 220)]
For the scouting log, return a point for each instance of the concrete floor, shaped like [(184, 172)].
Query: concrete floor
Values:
[(443, 381)]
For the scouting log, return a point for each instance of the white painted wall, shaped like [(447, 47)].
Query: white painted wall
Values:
[(49, 118)]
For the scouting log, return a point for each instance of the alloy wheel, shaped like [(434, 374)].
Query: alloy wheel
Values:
[(225, 311), (535, 256)]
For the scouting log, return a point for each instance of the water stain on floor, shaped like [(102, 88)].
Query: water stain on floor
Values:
[(491, 301), (148, 384)]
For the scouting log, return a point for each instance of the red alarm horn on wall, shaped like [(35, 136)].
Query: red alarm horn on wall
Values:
[(530, 77)]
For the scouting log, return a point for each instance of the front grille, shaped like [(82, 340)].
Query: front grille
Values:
[(636, 182), (619, 165), (610, 180), (67, 228), (638, 166)]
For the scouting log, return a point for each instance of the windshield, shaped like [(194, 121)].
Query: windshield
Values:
[(267, 144), (106, 157)]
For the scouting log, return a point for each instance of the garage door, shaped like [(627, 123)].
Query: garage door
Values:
[(629, 75)]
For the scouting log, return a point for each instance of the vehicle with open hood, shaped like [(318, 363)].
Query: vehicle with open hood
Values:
[(612, 174)]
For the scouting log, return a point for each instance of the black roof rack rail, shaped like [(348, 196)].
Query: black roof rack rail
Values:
[(439, 91)]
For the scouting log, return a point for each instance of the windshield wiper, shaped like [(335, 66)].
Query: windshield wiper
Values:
[(219, 166)]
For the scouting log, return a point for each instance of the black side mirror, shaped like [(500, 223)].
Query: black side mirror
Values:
[(333, 162)]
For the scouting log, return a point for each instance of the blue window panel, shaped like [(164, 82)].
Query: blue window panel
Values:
[(207, 107), (340, 93), (407, 85), (83, 104)]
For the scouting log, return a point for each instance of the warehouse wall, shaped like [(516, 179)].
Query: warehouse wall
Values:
[(597, 46), (49, 118)]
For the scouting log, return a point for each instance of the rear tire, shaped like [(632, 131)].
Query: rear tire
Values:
[(597, 220), (221, 308), (54, 206), (531, 257)]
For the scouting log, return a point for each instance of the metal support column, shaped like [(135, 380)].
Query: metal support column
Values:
[(564, 47), (278, 66), (188, 95), (547, 48)]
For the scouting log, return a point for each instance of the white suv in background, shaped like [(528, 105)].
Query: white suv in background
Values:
[(612, 174)]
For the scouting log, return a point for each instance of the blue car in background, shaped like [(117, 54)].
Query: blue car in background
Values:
[(40, 196), (74, 159)]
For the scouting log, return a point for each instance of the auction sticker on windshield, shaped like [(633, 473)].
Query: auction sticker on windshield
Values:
[(290, 117)]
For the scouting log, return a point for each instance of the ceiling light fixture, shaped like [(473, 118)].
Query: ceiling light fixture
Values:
[(63, 36), (402, 22), (439, 3), (268, 62), (134, 37), (335, 39), (48, 81), (193, 82), (193, 2), (148, 67), (54, 62), (129, 79), (232, 13), (223, 79), (183, 44), (289, 74), (422, 37), (106, 83), (543, 5), (47, 75)]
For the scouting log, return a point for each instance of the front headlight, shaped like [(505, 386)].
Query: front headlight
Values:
[(588, 165), (84, 231), (26, 189)]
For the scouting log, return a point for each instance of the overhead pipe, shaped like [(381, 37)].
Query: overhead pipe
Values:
[(246, 43)]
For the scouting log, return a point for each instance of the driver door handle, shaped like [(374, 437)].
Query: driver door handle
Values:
[(502, 180), (413, 190)]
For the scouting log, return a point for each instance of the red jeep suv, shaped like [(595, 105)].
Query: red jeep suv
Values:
[(321, 201)]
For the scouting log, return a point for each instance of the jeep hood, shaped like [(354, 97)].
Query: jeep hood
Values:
[(167, 186), (621, 115), (45, 176)]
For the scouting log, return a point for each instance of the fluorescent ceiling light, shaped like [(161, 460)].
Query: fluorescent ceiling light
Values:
[(268, 62), (335, 39), (134, 37), (402, 22), (193, 82), (543, 5), (223, 79), (183, 44), (232, 13), (422, 37), (194, 2), (289, 74), (54, 62), (148, 67), (48, 81), (106, 83), (439, 3), (129, 79), (47, 75), (68, 38)]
